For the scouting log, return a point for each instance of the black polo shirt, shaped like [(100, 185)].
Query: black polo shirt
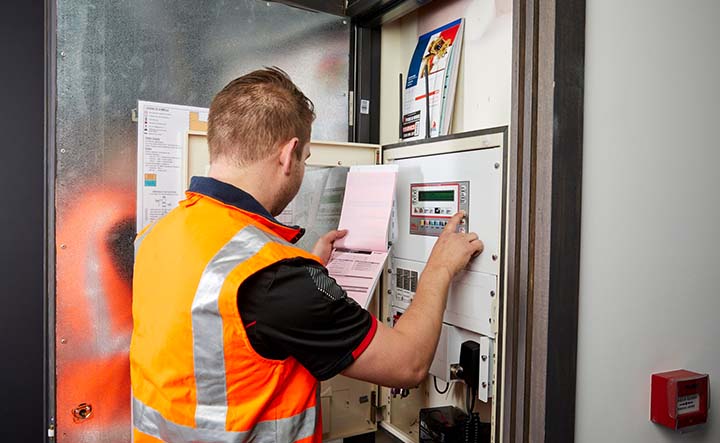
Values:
[(294, 308)]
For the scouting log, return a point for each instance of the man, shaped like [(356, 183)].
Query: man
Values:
[(234, 326)]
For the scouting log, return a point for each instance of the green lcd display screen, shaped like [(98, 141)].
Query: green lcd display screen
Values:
[(436, 196)]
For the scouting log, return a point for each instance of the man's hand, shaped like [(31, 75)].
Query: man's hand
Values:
[(324, 245), (453, 250), (401, 356)]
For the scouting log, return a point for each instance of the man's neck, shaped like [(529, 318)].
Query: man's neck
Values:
[(253, 180)]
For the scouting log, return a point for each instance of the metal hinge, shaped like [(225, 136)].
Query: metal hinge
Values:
[(351, 108), (375, 410), (51, 428)]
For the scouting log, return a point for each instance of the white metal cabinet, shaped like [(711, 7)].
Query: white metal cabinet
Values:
[(352, 407)]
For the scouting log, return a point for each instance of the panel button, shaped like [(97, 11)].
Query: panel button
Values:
[(437, 210)]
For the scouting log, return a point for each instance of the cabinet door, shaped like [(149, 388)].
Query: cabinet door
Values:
[(181, 52)]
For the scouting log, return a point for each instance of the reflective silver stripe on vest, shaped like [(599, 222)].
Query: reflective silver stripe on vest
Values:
[(207, 327), (139, 239), (287, 430)]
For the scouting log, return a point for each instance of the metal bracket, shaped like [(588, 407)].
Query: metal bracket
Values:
[(485, 389)]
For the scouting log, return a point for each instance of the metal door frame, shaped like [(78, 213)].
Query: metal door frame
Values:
[(544, 213)]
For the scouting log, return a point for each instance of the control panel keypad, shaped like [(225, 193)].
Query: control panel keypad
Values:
[(433, 204)]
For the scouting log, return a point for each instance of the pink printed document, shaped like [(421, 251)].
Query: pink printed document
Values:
[(357, 261)]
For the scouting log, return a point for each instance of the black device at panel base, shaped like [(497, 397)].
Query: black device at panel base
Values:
[(470, 362), (448, 424)]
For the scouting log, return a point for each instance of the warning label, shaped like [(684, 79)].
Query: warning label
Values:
[(688, 403)]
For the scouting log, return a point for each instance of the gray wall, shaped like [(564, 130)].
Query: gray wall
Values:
[(650, 260)]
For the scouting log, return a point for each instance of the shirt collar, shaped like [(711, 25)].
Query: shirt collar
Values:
[(230, 195)]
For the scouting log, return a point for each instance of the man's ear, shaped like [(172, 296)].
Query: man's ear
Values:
[(288, 155)]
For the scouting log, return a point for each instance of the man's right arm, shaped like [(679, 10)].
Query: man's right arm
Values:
[(401, 356)]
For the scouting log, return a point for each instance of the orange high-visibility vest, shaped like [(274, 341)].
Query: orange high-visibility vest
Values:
[(195, 376)]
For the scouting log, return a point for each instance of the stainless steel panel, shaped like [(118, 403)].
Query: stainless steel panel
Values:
[(111, 54)]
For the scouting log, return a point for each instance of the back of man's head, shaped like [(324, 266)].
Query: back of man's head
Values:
[(256, 113)]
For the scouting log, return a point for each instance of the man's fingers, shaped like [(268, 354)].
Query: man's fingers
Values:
[(454, 221), (334, 235), (477, 246), (471, 236)]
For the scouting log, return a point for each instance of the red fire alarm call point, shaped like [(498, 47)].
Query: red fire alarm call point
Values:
[(679, 399)]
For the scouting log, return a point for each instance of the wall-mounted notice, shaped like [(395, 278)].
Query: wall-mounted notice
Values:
[(162, 133)]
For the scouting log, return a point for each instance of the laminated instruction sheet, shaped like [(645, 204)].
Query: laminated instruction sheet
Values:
[(162, 133), (358, 259)]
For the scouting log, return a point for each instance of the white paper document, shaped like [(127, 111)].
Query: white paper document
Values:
[(357, 272), (366, 208), (358, 259), (162, 129)]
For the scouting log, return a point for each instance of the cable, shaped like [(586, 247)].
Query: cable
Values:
[(470, 397), (474, 399), (472, 423), (447, 386), (468, 393)]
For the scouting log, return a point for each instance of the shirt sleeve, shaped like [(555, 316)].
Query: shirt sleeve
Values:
[(294, 308)]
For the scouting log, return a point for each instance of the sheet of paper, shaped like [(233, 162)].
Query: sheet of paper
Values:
[(162, 129), (358, 273), (326, 215), (366, 208)]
